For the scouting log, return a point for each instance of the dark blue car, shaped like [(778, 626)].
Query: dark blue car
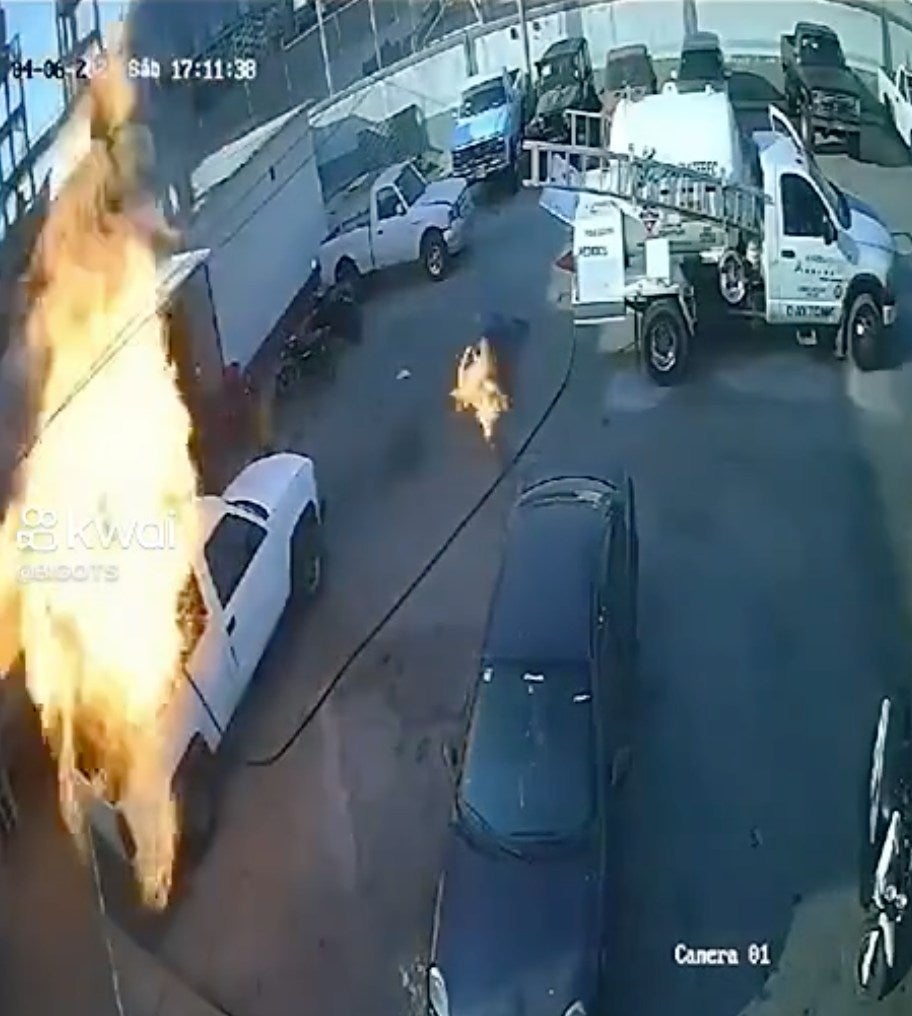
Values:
[(520, 925)]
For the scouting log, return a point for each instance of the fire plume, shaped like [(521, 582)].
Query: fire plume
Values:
[(102, 645), (477, 387)]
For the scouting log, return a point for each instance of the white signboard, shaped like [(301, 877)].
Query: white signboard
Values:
[(598, 253)]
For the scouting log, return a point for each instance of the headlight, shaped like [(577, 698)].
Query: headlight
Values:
[(454, 214), (577, 1009), (437, 994)]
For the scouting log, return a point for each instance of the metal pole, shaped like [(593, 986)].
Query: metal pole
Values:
[(318, 6), (373, 17), (524, 33)]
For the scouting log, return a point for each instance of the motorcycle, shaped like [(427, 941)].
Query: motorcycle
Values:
[(334, 315), (886, 880), (304, 355)]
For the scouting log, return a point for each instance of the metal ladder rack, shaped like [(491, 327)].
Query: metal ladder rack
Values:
[(593, 169)]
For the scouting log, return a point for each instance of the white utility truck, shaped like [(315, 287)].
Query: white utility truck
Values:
[(895, 93), (261, 546), (799, 252), (399, 218)]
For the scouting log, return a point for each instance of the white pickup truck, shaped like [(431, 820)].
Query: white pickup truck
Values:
[(895, 93), (262, 545), (402, 218)]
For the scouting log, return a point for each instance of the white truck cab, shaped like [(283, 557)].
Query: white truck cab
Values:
[(820, 244), (895, 94)]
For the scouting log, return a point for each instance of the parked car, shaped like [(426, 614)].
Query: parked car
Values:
[(262, 546), (820, 89), (628, 74), (895, 94), (701, 65), (400, 218), (522, 909), (564, 81), (487, 135)]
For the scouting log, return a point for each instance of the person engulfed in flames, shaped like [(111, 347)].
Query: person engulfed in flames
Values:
[(102, 655), (478, 388)]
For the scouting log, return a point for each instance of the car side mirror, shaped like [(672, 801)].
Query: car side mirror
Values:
[(829, 231)]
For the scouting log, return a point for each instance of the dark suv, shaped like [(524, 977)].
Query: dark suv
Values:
[(521, 916)]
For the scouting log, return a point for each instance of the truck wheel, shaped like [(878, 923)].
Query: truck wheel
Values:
[(434, 256), (307, 557), (666, 342), (348, 277), (194, 792), (807, 131), (864, 331)]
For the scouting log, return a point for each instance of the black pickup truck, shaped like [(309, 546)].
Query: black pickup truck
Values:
[(820, 89), (564, 81)]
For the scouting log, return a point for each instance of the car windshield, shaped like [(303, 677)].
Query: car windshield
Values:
[(821, 51), (832, 195), (411, 184), (701, 65), (627, 70), (480, 99), (529, 770), (559, 71)]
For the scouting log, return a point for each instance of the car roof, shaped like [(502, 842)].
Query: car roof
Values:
[(813, 26), (622, 52), (389, 175), (701, 40), (541, 611), (563, 47), (474, 80)]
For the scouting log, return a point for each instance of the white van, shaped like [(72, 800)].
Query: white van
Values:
[(693, 129)]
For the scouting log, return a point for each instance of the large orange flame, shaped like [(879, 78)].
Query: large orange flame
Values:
[(99, 624)]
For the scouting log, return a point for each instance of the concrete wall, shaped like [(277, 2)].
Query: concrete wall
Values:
[(264, 226), (431, 80)]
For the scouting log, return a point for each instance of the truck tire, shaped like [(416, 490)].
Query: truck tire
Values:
[(434, 255), (307, 557), (348, 277), (806, 129), (195, 795), (865, 332), (666, 342)]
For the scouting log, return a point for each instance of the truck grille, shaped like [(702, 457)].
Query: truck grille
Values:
[(465, 158), (837, 106)]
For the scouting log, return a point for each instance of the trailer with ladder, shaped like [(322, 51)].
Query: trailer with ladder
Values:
[(792, 251)]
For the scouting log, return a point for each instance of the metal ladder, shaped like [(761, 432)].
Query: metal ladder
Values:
[(643, 181)]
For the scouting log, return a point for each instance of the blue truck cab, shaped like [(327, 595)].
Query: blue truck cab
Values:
[(487, 135)]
